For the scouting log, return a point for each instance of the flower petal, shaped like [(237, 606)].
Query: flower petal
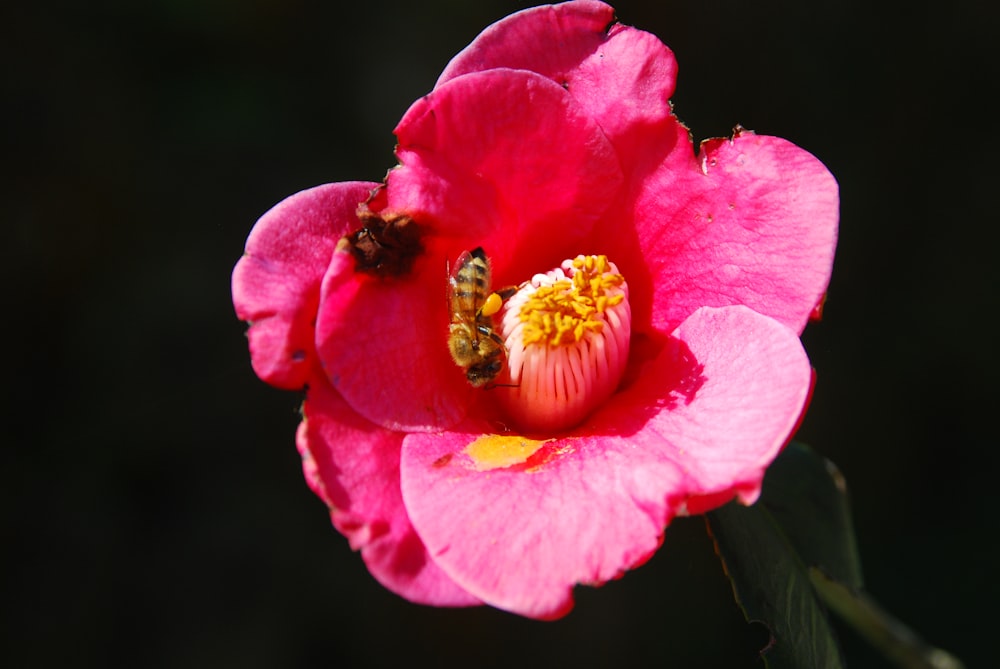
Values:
[(621, 76), (698, 427), (528, 190), (550, 40), (276, 283), (504, 159), (755, 224), (353, 466), (729, 388)]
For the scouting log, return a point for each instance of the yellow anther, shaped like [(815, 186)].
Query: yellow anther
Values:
[(565, 311), (584, 310)]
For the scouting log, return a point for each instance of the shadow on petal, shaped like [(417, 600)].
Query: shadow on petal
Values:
[(663, 375)]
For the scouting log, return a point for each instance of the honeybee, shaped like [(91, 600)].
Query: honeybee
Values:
[(474, 344), (386, 245)]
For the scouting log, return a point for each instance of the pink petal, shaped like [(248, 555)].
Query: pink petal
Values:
[(621, 76), (699, 425), (754, 223), (550, 40), (476, 170), (353, 466), (276, 283), (496, 158), (737, 384), (384, 345)]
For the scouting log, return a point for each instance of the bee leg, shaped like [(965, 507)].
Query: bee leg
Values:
[(490, 333), (495, 300), (507, 292)]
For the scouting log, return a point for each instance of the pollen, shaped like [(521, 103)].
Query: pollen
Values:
[(567, 336), (496, 451), (565, 311), (491, 305)]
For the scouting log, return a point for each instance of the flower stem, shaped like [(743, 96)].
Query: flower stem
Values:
[(892, 638)]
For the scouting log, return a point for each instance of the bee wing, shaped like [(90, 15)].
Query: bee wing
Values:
[(456, 295), (469, 283), (464, 260)]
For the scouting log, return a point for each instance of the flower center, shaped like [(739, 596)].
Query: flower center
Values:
[(567, 337)]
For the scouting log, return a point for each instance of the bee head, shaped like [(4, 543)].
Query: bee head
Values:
[(484, 372)]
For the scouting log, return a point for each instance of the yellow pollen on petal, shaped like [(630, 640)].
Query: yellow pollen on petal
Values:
[(495, 451), (565, 311)]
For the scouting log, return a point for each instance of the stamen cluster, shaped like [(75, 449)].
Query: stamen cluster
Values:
[(563, 312), (567, 338)]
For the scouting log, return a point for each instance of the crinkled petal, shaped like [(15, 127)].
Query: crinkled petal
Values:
[(276, 283), (621, 76), (353, 466), (384, 345), (753, 222), (496, 158), (701, 423)]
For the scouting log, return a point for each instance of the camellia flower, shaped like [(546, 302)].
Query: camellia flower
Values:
[(645, 364)]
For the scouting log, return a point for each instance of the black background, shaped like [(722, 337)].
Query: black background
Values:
[(153, 510)]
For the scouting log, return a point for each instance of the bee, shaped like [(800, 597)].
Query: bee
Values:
[(474, 344), (386, 245)]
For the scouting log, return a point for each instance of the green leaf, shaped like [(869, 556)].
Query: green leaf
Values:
[(772, 586), (793, 555), (807, 497)]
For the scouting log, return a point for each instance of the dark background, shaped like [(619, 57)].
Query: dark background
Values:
[(153, 509)]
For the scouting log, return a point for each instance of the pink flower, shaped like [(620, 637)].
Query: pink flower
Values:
[(550, 136)]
